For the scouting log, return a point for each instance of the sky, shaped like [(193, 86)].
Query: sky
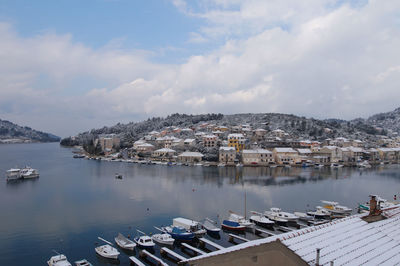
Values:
[(70, 66)]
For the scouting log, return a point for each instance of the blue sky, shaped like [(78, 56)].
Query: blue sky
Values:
[(69, 66)]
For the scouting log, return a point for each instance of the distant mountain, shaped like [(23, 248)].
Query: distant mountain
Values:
[(387, 121), (296, 126), (10, 132)]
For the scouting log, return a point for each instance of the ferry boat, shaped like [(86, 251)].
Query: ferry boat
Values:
[(29, 172), (13, 174)]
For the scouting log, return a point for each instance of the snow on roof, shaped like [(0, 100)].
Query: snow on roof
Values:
[(187, 129), (356, 149), (260, 130), (227, 149), (209, 136), (304, 151), (350, 241), (140, 141), (191, 154), (256, 151), (235, 135), (165, 150), (189, 140), (330, 147), (145, 145), (285, 150)]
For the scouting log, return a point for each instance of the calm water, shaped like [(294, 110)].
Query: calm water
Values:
[(76, 200)]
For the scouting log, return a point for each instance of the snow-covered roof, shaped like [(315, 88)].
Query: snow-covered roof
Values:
[(165, 150), (189, 140), (235, 135), (304, 151), (350, 241), (145, 145), (257, 151), (330, 147), (285, 150), (356, 149), (187, 129), (209, 136), (191, 154), (227, 149), (140, 141), (260, 130)]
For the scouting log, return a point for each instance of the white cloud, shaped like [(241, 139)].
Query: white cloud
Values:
[(314, 58)]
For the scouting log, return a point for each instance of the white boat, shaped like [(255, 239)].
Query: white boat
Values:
[(144, 241), (336, 209), (335, 165), (13, 174), (364, 164), (277, 215), (320, 213), (233, 217), (124, 242), (318, 166), (209, 225), (29, 172), (303, 216), (221, 165), (261, 220), (83, 262), (107, 251), (163, 239), (190, 225), (59, 260), (239, 165)]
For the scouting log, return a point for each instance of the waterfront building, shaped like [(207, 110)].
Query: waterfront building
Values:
[(210, 141), (334, 153), (189, 142), (285, 155), (257, 157), (190, 157), (145, 147), (164, 153), (237, 141), (227, 155)]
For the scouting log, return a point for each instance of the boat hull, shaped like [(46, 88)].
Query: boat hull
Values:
[(232, 226)]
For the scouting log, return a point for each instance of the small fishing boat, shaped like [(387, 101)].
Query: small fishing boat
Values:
[(221, 165), (280, 217), (261, 220), (303, 216), (189, 225), (209, 225), (336, 209), (58, 260), (336, 166), (232, 226), (163, 238), (107, 251), (179, 233), (83, 262), (239, 165), (241, 220), (318, 166), (124, 242), (319, 213), (118, 176), (144, 241)]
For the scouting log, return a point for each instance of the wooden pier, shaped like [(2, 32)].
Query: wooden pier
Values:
[(195, 250), (164, 251), (233, 236), (261, 231), (144, 253), (203, 241), (135, 261)]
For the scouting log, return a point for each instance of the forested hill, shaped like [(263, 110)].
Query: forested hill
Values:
[(10, 132)]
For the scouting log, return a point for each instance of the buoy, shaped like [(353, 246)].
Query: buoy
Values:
[(395, 197), (148, 209)]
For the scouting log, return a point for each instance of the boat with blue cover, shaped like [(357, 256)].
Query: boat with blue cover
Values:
[(232, 225), (179, 233)]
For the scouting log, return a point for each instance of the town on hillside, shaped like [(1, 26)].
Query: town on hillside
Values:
[(242, 145)]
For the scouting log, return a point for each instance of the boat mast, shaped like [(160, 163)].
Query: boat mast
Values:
[(245, 212)]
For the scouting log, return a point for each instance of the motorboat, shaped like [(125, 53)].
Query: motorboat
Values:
[(163, 239), (144, 241), (303, 216), (179, 233), (83, 262), (29, 172), (336, 209), (318, 166), (261, 220), (239, 165), (13, 174), (364, 164), (241, 220), (189, 225), (221, 165), (209, 225), (118, 176), (319, 213), (336, 165), (59, 260), (280, 217), (107, 251), (232, 226), (124, 242)]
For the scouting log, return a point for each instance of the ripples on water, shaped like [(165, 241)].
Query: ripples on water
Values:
[(76, 200)]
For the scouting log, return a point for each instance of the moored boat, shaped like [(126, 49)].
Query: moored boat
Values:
[(59, 260), (163, 239), (144, 241), (13, 174), (232, 226), (320, 213), (179, 233), (189, 225), (209, 225), (241, 220), (29, 172), (303, 216), (280, 217), (336, 209), (107, 251), (261, 220), (124, 242), (83, 262)]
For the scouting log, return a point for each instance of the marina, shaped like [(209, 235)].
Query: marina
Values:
[(104, 206)]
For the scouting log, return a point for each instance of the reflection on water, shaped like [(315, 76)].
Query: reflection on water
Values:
[(75, 200)]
